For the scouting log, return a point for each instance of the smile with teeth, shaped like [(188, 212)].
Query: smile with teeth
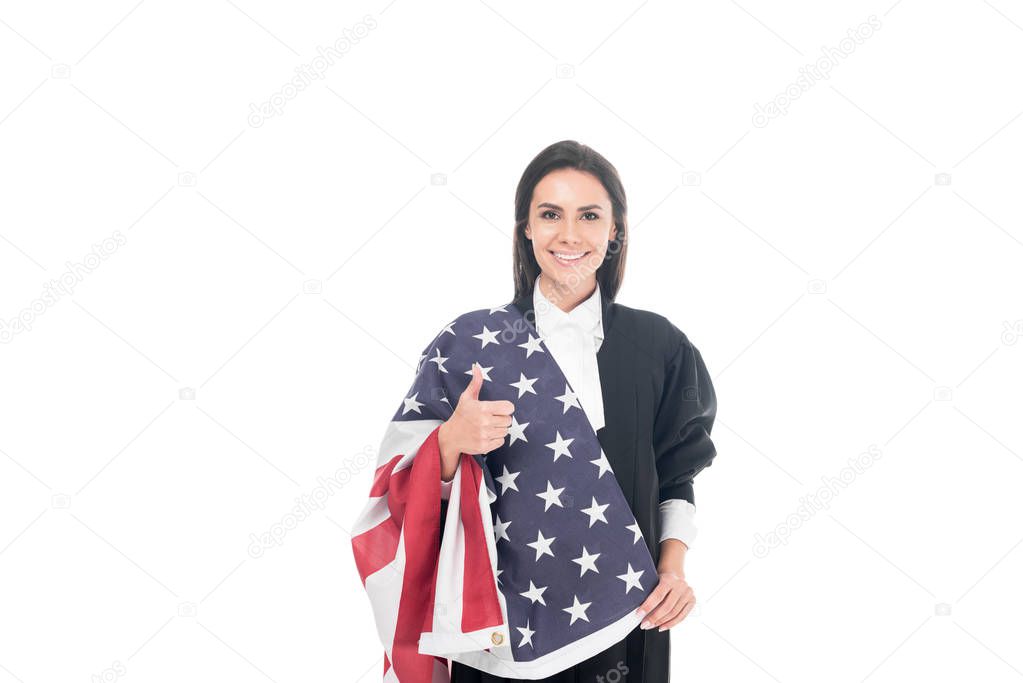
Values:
[(569, 257)]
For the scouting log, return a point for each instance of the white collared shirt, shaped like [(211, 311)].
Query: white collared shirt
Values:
[(574, 337)]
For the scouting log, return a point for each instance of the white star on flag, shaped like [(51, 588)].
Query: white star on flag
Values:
[(551, 496), (631, 578), (527, 635), (412, 404), (596, 512), (586, 562), (530, 346), (535, 594), (439, 360), (524, 384), (570, 399), (484, 371), (560, 445), (577, 610), (602, 464), (517, 431), (507, 480), (542, 545), (501, 530), (486, 337)]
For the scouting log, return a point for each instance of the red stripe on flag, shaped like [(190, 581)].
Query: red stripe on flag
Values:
[(377, 547), (480, 606), (381, 480), (422, 548)]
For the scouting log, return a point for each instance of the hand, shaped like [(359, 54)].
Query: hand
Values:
[(669, 603), (476, 426)]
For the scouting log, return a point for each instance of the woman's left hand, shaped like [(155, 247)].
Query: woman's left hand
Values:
[(669, 603)]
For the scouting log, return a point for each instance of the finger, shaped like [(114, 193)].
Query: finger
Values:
[(654, 598), (671, 613), (495, 432), (497, 421), (473, 390), (662, 611), (683, 613), (499, 407)]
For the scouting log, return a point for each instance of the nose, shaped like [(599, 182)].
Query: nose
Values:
[(570, 233)]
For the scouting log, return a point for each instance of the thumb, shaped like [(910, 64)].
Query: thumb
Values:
[(473, 390)]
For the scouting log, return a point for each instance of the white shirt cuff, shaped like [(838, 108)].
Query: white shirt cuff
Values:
[(445, 489), (678, 520)]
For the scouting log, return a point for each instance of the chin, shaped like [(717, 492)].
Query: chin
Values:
[(566, 277)]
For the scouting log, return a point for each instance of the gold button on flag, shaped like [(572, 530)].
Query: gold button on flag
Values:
[(496, 638)]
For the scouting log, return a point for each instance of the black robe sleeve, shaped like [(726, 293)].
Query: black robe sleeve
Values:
[(682, 426)]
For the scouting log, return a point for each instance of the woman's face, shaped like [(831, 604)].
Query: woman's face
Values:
[(570, 223)]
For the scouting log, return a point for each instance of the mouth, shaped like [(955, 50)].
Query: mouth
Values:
[(568, 258)]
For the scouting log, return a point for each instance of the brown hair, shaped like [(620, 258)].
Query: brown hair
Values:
[(569, 154)]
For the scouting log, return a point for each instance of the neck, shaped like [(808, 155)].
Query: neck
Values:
[(563, 296)]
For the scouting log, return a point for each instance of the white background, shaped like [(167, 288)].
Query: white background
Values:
[(844, 295)]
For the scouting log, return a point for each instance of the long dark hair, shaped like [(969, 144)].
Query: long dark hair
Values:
[(569, 154)]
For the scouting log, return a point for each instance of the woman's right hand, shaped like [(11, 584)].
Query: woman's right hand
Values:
[(475, 427)]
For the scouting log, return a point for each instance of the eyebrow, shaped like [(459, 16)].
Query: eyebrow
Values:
[(581, 208)]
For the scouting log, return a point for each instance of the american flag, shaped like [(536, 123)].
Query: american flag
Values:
[(542, 563)]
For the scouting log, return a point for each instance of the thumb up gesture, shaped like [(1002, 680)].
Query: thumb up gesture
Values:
[(476, 426)]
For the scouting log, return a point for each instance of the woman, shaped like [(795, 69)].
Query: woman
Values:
[(641, 382)]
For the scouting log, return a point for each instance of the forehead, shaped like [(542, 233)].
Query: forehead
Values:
[(569, 188)]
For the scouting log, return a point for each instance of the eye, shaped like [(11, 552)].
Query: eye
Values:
[(548, 211), (590, 213)]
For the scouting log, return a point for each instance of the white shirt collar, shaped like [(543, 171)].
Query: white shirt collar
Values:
[(586, 316)]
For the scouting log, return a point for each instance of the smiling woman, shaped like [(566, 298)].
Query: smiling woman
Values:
[(573, 239), (552, 434)]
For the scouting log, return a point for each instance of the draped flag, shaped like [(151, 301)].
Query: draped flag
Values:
[(541, 563)]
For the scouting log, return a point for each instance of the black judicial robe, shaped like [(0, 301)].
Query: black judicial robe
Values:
[(659, 408)]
